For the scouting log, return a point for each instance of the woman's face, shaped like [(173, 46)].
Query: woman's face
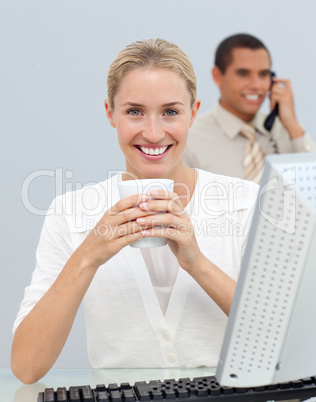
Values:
[(152, 114)]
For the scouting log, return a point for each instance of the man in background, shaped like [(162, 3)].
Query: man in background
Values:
[(231, 139)]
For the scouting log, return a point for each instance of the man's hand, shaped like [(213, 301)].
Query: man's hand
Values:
[(281, 93)]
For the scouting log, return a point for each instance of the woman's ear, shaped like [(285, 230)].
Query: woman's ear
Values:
[(195, 110), (109, 113)]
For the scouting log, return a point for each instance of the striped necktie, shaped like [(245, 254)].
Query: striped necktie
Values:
[(253, 155)]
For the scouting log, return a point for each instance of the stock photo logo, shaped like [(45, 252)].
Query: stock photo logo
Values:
[(277, 201), (86, 202)]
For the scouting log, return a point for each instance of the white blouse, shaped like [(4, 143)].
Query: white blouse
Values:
[(129, 322)]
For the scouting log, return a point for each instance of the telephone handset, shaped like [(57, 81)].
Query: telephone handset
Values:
[(270, 119)]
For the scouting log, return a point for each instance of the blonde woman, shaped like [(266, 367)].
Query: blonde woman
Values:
[(159, 307)]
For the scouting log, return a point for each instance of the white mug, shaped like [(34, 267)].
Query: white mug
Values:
[(144, 186)]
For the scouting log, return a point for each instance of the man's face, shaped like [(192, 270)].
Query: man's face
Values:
[(245, 82)]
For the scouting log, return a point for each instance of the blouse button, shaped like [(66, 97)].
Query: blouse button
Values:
[(171, 357)]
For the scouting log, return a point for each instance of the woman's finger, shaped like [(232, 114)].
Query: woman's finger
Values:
[(166, 195), (183, 199), (129, 239), (113, 232), (167, 219), (175, 234), (161, 205), (127, 203)]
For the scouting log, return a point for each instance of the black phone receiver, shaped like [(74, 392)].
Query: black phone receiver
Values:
[(268, 123)]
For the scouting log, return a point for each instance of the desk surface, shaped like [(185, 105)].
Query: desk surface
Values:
[(12, 390)]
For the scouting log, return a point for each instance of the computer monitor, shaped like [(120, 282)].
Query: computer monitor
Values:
[(271, 332)]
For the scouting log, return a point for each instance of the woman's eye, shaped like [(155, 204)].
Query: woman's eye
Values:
[(171, 112), (133, 112)]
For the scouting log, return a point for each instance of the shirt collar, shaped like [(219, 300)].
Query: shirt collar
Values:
[(230, 123)]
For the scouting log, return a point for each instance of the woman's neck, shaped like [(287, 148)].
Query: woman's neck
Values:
[(184, 184)]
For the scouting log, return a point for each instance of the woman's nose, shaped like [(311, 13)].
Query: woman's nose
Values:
[(153, 130)]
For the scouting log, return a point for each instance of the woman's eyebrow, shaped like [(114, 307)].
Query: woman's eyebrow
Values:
[(169, 104), (132, 104), (173, 104)]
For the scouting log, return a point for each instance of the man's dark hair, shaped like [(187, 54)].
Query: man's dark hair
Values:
[(224, 52)]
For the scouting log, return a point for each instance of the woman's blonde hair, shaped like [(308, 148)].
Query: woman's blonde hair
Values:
[(150, 53)]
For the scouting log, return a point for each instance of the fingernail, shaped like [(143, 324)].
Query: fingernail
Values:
[(155, 192), (143, 205), (141, 220)]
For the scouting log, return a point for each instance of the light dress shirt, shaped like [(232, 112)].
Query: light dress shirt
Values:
[(126, 326), (216, 145)]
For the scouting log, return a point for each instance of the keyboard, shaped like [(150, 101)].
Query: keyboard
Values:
[(200, 389)]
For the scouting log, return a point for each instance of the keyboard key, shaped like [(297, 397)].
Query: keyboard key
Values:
[(116, 396), (307, 380), (49, 395), (62, 394), (297, 384), (113, 387), (144, 396), (183, 393), (202, 391), (227, 390), (156, 395), (240, 390), (128, 395), (102, 396), (87, 395), (273, 387), (259, 389), (140, 384), (170, 394), (100, 388), (170, 382), (285, 385), (74, 394), (185, 381), (215, 389)]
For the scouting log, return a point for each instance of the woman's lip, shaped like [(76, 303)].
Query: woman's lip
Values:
[(152, 157)]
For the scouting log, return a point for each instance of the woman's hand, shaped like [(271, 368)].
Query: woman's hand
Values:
[(116, 229), (172, 223)]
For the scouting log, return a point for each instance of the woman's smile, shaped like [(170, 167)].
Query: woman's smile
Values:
[(153, 152)]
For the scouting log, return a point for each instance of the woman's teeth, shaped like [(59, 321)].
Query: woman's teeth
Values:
[(153, 151)]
